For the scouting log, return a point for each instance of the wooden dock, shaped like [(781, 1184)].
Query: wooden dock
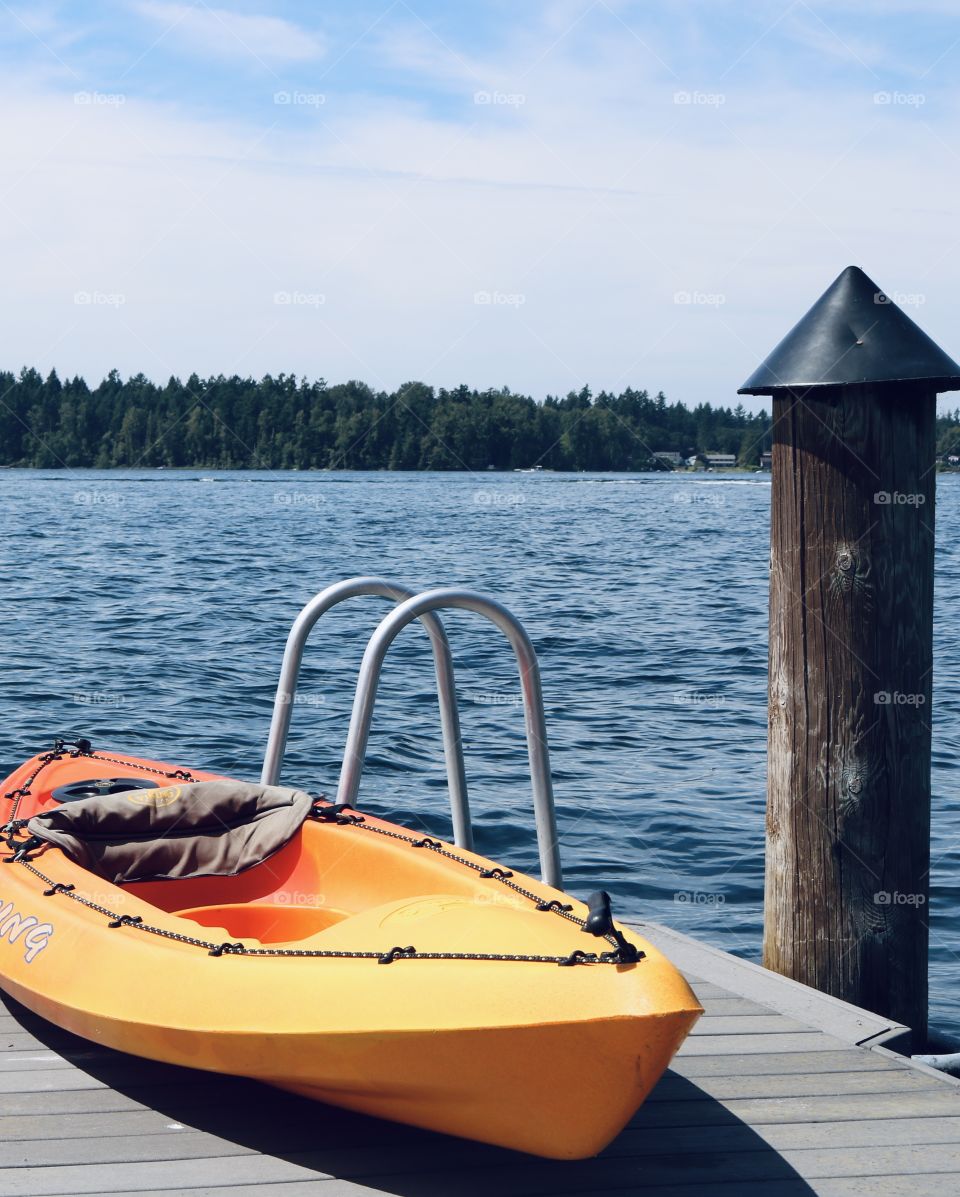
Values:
[(780, 1091)]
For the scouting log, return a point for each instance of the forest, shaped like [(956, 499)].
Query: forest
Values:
[(284, 422)]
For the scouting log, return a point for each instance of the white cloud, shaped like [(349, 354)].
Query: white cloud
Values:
[(806, 27), (597, 200), (41, 20), (414, 49), (895, 8), (231, 34)]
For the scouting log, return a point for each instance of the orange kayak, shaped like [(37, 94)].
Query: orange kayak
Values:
[(362, 964)]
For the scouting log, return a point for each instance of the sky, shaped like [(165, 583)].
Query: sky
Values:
[(540, 195)]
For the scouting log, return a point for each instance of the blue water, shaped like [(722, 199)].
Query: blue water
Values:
[(148, 610)]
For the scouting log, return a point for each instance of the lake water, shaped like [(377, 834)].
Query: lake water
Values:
[(148, 610)]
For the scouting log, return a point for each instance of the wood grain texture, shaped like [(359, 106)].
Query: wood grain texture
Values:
[(851, 654)]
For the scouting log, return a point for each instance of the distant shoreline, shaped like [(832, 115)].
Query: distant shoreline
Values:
[(286, 422), (454, 472)]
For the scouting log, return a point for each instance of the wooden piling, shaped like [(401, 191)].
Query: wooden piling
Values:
[(851, 650)]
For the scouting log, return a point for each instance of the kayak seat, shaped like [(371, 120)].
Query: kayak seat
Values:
[(202, 829)]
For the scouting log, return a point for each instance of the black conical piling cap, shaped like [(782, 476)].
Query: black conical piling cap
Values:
[(854, 333)]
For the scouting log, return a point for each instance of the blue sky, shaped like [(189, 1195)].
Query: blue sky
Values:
[(534, 194)]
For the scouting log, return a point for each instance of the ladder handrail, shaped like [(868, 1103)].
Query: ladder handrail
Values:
[(446, 690), (368, 679)]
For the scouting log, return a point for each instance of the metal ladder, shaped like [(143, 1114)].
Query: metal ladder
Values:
[(411, 606)]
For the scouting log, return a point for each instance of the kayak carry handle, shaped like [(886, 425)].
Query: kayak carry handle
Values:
[(599, 921), (420, 607), (446, 690)]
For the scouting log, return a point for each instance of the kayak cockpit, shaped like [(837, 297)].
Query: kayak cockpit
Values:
[(220, 853), (266, 922)]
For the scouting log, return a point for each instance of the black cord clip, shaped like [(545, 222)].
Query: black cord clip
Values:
[(397, 954), (553, 905), (426, 842), (626, 953), (578, 957), (58, 887), (22, 851), (227, 949), (10, 831), (339, 812), (126, 920), (500, 874)]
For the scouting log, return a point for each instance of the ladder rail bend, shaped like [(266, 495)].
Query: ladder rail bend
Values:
[(446, 689), (419, 607)]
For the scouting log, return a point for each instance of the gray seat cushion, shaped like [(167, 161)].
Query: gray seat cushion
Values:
[(205, 829)]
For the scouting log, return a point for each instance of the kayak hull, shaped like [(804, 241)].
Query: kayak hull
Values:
[(527, 1055)]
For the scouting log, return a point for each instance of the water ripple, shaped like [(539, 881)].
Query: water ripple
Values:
[(150, 612)]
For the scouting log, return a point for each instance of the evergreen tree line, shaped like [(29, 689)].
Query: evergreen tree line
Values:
[(283, 423)]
